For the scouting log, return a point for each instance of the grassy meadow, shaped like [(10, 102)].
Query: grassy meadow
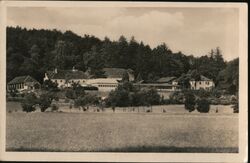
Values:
[(121, 131)]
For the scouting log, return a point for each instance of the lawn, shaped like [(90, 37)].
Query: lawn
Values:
[(121, 132)]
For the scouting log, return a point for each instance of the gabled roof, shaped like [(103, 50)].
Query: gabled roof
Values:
[(166, 79), (116, 72), (66, 74), (22, 79), (202, 78)]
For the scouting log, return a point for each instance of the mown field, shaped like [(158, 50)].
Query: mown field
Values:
[(121, 132)]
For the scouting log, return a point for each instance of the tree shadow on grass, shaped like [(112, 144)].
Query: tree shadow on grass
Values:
[(152, 149)]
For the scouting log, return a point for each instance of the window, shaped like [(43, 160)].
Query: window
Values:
[(61, 81)]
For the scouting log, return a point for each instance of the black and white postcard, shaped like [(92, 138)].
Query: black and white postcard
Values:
[(123, 81)]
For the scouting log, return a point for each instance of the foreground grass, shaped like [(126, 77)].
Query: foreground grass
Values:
[(121, 132)]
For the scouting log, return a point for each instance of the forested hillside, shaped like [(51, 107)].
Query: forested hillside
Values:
[(33, 52)]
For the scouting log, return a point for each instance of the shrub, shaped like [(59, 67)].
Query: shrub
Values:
[(225, 102), (54, 107), (236, 107), (70, 94), (216, 93), (152, 97), (49, 85), (66, 100), (214, 101), (113, 108), (189, 101), (13, 92), (234, 100), (203, 105), (202, 93), (45, 102), (29, 102), (176, 98)]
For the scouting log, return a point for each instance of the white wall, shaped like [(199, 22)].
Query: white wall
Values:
[(196, 85)]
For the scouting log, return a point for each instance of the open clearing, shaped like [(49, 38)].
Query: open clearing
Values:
[(121, 132)]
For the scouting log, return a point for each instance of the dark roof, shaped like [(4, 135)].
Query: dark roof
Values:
[(203, 78), (116, 72), (66, 74), (22, 79), (166, 79), (155, 84)]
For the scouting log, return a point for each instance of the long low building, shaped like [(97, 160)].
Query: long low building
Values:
[(112, 76), (103, 84), (159, 87)]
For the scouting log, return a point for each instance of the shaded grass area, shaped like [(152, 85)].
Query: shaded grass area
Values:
[(64, 107), (121, 132), (142, 149)]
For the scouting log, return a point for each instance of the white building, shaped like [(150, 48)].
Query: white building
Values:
[(65, 78), (103, 84), (203, 83), (112, 76)]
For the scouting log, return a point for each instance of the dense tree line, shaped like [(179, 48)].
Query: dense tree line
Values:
[(33, 52)]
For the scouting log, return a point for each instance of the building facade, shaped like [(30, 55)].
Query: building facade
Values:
[(23, 83), (170, 82), (65, 78), (112, 76), (204, 83)]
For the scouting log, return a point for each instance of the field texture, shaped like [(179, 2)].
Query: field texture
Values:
[(121, 132)]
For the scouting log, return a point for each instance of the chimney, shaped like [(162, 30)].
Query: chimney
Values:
[(55, 71), (46, 77)]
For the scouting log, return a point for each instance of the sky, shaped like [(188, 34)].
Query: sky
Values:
[(193, 31)]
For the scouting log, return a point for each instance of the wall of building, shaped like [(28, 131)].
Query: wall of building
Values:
[(104, 84), (22, 86), (196, 85), (62, 82)]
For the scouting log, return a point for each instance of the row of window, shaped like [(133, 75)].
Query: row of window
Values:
[(102, 85), (83, 81), (207, 83), (17, 86)]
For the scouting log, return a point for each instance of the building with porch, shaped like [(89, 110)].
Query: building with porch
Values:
[(23, 83)]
